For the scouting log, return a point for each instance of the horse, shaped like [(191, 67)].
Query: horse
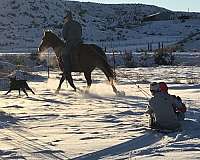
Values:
[(84, 58)]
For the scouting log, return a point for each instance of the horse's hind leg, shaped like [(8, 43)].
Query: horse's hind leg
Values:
[(70, 80), (113, 87), (61, 81), (109, 74), (88, 79)]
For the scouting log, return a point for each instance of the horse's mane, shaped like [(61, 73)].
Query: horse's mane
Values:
[(53, 37)]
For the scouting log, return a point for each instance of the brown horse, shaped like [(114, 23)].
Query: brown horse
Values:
[(84, 58)]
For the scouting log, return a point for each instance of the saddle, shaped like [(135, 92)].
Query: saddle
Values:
[(73, 57)]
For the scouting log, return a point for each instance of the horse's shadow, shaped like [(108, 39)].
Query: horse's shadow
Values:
[(125, 100)]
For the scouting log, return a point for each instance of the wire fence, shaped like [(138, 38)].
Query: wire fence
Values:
[(28, 63)]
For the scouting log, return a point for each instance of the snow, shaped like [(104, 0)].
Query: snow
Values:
[(99, 125)]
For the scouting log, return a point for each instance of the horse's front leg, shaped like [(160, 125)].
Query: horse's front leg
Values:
[(61, 81), (70, 80)]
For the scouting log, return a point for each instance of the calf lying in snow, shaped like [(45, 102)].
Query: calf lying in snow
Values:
[(19, 85)]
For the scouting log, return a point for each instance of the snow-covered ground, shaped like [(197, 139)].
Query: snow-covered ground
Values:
[(99, 125)]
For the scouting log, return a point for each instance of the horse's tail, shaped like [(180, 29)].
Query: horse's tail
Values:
[(104, 66), (99, 51), (109, 70)]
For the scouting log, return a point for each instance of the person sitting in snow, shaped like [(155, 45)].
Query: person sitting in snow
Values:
[(161, 110), (180, 112)]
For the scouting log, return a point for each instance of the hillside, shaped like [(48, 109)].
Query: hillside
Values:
[(22, 23)]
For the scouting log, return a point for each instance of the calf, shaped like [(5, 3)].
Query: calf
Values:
[(19, 85)]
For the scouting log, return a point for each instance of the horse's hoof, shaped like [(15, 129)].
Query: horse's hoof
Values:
[(86, 92)]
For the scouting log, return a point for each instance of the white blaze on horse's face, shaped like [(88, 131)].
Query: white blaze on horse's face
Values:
[(40, 48), (43, 45)]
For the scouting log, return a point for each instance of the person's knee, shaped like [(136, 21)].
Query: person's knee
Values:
[(180, 116)]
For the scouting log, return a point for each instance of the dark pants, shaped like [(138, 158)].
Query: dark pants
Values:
[(154, 125), (66, 54), (180, 116), (66, 59)]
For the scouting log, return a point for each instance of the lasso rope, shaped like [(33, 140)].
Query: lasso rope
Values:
[(145, 93)]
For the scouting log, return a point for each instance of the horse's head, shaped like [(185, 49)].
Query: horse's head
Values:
[(49, 39)]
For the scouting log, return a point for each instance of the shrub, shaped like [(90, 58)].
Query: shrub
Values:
[(19, 60), (163, 57), (82, 12), (146, 59), (128, 59)]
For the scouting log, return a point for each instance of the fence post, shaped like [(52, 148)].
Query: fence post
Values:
[(48, 64), (159, 45), (114, 62)]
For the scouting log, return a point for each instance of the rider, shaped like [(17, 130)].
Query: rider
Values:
[(72, 33), (161, 109), (180, 112)]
